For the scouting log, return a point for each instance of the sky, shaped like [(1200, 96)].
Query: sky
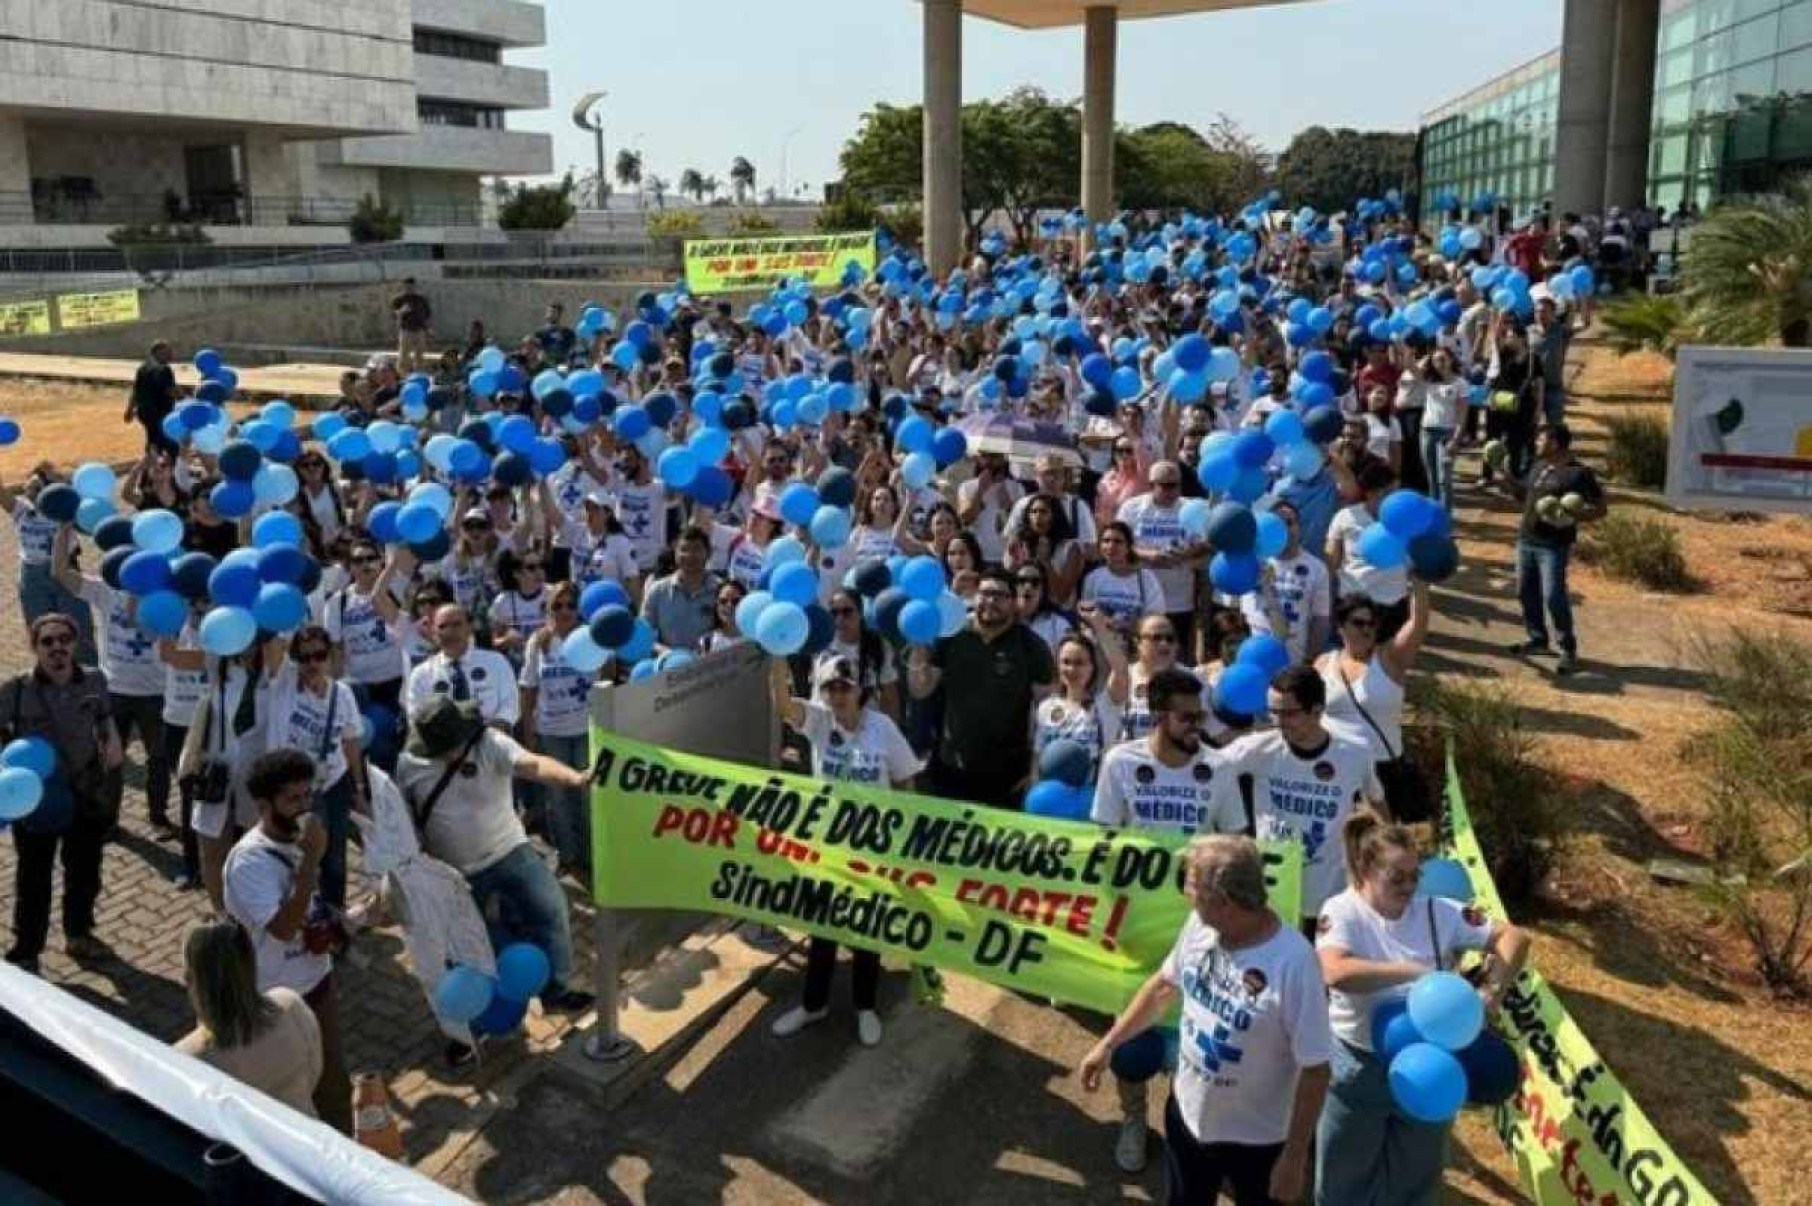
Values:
[(693, 83)]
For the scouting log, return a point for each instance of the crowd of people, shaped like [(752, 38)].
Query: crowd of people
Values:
[(1088, 617)]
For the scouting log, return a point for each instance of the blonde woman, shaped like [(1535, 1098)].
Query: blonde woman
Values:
[(268, 1040)]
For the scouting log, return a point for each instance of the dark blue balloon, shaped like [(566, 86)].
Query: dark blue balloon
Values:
[(1492, 1070), (837, 488), (239, 461), (888, 605), (1067, 762), (190, 573), (433, 548), (512, 469), (822, 630), (59, 502), (113, 532), (712, 487), (871, 577), (282, 563), (143, 573), (502, 1016)]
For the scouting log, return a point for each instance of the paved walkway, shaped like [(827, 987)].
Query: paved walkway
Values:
[(297, 382)]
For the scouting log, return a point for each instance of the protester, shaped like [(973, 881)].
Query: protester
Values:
[(70, 708), (463, 673), (1365, 679), (1092, 686), (1037, 611), (1295, 589), (1386, 586), (1374, 939), (41, 590), (555, 711), (1174, 557), (1122, 588), (679, 606), (1242, 1108), (414, 317), (154, 395), (225, 735), (268, 1040), (1558, 495), (270, 878), (876, 664)]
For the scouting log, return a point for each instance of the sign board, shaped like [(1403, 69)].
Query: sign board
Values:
[(722, 265), (25, 318), (1742, 430), (78, 310)]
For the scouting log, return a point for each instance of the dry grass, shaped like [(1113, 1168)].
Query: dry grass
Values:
[(68, 423), (1663, 986)]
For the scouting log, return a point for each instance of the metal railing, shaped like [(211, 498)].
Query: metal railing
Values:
[(65, 207)]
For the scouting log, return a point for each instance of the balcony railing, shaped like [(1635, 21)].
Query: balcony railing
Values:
[(148, 209)]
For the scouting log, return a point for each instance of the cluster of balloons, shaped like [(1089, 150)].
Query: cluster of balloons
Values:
[(1438, 1052), (1243, 687), (613, 630), (24, 766), (1411, 528), (496, 1004), (1063, 790)]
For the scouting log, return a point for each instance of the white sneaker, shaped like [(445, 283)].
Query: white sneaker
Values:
[(1129, 1150), (868, 1027), (796, 1019)]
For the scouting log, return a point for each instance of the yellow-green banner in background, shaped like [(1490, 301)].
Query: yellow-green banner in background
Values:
[(1577, 1136), (1059, 909), (25, 318), (77, 310), (721, 265)]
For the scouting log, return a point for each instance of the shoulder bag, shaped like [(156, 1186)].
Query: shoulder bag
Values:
[(1405, 786)]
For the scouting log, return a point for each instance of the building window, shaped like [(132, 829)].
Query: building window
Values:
[(458, 113), (457, 46)]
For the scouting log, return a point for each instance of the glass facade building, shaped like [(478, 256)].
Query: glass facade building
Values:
[(1732, 112)]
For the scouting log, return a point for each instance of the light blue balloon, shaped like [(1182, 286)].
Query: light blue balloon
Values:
[(280, 607), (782, 629), (830, 527), (1303, 460), (162, 613), (226, 631), (922, 578), (280, 413), (1446, 878), (918, 469), (1273, 535), (90, 513), (432, 495), (783, 550), (678, 468), (94, 480), (33, 753), (462, 994), (1380, 548), (1285, 428), (795, 582), (157, 531), (710, 445), (953, 614), (748, 612), (275, 484), (582, 653), (20, 791), (276, 527), (920, 622), (1447, 1011), (327, 426)]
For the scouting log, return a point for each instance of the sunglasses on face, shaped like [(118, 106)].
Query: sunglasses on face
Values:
[(367, 559), (1363, 623), (840, 612), (992, 596), (312, 655), (1397, 877), (563, 606), (476, 525), (1159, 638)]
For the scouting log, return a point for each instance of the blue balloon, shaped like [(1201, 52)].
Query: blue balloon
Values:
[(523, 971), (1492, 1070), (1392, 1029), (32, 753), (1266, 652), (417, 522), (601, 594), (20, 792), (234, 584), (1273, 535), (501, 1017), (283, 563), (748, 612), (1407, 514), (782, 628), (226, 631), (949, 446), (162, 613), (1218, 471), (1059, 800), (1141, 1057), (922, 578), (1232, 528), (154, 531), (677, 468), (1446, 878), (1435, 557), (918, 469), (208, 362), (1285, 428), (1303, 461), (1380, 547), (613, 626), (915, 434), (1446, 1009), (582, 652), (1068, 762), (798, 504), (463, 994), (796, 583), (830, 527), (1241, 689), (280, 607), (1234, 573), (920, 622), (1427, 1083), (276, 527), (144, 573)]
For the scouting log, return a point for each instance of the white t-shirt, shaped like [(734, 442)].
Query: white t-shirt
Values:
[(258, 876), (473, 823), (1303, 595), (1252, 1020), (569, 484), (183, 689), (371, 647), (36, 533), (1135, 718), (1161, 528), (1126, 597), (1380, 434), (1138, 791), (884, 672), (600, 558), (736, 556), (128, 653), (989, 525), (1349, 923), (1094, 726), (471, 580), (1080, 515), (1357, 575), (1308, 801), (297, 719), (512, 611), (875, 753), (642, 510), (561, 690), (490, 680), (1446, 405)]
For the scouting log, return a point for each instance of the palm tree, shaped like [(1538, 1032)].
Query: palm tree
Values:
[(711, 186), (691, 184), (658, 187), (742, 178), (1746, 273), (629, 168)]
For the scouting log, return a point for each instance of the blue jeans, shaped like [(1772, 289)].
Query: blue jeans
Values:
[(521, 901), (1437, 462), (40, 594), (1541, 580), (1554, 402), (1367, 1152), (567, 809), (334, 807)]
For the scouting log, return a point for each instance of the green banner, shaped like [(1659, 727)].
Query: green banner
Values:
[(1060, 909), (1574, 1132), (722, 265)]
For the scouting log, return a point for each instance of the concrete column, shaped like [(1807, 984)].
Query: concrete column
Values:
[(1632, 97), (943, 134), (1582, 135), (15, 171), (1101, 36), (269, 183)]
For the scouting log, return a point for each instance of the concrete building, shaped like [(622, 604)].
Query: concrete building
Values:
[(1664, 102), (265, 120)]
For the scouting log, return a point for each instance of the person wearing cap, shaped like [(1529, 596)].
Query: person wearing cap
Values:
[(470, 567), (463, 673), (740, 554), (456, 773), (599, 550), (563, 492), (851, 743)]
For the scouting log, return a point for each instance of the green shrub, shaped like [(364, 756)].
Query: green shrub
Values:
[(375, 221), (1637, 549), (676, 224), (1762, 679), (850, 212), (540, 207), (1646, 322), (751, 225), (1522, 820), (158, 235), (1638, 451)]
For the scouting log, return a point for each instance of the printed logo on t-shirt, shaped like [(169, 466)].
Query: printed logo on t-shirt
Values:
[(1474, 915), (1323, 924), (1254, 981), (1202, 772), (477, 673), (1144, 774), (1324, 770), (1054, 714)]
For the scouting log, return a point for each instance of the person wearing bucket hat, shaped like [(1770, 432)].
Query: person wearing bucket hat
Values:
[(456, 773)]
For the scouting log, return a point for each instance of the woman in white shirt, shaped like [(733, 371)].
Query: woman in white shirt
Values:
[(1383, 433), (724, 632), (364, 620), (1119, 586), (518, 610), (1444, 411), (876, 666), (311, 711), (470, 568), (1376, 939), (555, 721), (1092, 686), (1365, 677), (851, 743), (601, 550), (1042, 537), (185, 685), (226, 728)]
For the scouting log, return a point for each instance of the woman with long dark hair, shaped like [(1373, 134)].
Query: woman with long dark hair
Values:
[(1092, 686), (1043, 537), (852, 638)]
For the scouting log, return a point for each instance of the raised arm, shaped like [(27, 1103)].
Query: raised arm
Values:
[(1400, 654), (780, 689)]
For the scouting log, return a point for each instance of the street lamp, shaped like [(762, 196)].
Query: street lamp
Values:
[(586, 119)]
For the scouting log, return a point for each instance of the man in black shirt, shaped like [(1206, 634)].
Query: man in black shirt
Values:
[(991, 672), (154, 395), (555, 337), (1558, 495), (414, 319)]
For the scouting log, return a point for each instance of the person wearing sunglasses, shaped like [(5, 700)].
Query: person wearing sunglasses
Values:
[(312, 711), (1126, 478), (1038, 611), (470, 567), (59, 702), (555, 698), (724, 631), (520, 607), (1092, 686), (318, 503), (1173, 556), (363, 619), (1366, 677), (851, 743), (40, 591), (1375, 939), (862, 646)]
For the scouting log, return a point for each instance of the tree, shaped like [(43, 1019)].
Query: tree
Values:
[(1746, 273), (629, 168), (742, 178), (1327, 169), (658, 186), (375, 221), (1251, 163), (1170, 166), (691, 184), (542, 207), (710, 186)]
